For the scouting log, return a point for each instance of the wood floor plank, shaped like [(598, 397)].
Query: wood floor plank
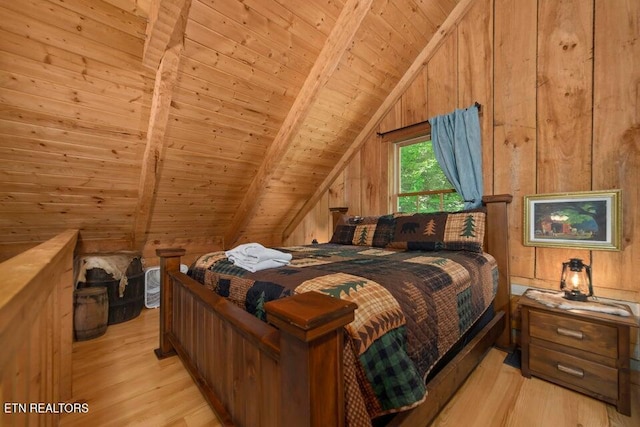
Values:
[(497, 395), (504, 384), (555, 406), (123, 383)]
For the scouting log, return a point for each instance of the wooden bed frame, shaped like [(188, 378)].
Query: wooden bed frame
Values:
[(289, 372)]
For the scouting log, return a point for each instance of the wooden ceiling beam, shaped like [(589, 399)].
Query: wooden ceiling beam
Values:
[(167, 22), (448, 26), (338, 42), (166, 78)]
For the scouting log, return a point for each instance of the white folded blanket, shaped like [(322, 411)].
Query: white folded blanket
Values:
[(255, 257), (262, 265)]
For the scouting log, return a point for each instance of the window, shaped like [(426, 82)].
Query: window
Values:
[(420, 185)]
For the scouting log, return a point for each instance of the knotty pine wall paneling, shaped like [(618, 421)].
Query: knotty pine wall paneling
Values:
[(76, 96), (320, 215), (229, 103), (393, 119), (414, 101), (514, 103), (556, 81), (75, 107), (616, 136), (336, 192), (374, 186), (137, 7), (353, 185), (442, 78), (565, 63), (475, 76), (316, 225)]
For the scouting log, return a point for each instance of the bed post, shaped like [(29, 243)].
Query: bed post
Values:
[(497, 244), (169, 262), (311, 348), (336, 216)]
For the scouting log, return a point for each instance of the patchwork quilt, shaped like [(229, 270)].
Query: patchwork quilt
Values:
[(412, 307)]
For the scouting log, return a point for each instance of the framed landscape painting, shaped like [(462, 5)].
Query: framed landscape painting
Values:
[(585, 220)]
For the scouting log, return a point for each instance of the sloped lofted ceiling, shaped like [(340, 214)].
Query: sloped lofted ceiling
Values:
[(269, 96), (162, 122)]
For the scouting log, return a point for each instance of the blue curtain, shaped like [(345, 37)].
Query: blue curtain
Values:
[(457, 147)]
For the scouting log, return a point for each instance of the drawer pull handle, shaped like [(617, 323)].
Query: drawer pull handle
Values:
[(571, 371), (570, 333)]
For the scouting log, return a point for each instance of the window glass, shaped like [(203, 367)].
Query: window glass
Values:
[(421, 186)]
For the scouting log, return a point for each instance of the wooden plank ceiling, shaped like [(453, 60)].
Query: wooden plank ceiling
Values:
[(102, 130)]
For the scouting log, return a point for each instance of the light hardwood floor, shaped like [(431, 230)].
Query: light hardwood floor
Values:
[(124, 384)]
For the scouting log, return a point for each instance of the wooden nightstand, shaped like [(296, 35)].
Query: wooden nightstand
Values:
[(585, 351)]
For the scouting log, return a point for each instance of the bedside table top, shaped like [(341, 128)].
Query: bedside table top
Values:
[(586, 310)]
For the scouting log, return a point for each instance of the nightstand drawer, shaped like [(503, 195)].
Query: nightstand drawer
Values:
[(593, 337), (581, 373), (582, 350)]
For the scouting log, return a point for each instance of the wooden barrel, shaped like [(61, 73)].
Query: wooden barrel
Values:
[(122, 275), (90, 312)]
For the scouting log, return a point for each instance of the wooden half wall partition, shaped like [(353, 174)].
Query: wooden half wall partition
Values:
[(36, 331)]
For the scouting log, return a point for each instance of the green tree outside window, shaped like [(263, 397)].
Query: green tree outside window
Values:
[(421, 184)]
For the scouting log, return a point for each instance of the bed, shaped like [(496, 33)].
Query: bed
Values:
[(290, 346)]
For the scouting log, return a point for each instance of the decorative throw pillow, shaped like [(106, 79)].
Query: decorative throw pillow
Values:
[(364, 231), (440, 231), (384, 231), (343, 234)]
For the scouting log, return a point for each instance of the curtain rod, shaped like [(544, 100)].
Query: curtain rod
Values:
[(477, 104)]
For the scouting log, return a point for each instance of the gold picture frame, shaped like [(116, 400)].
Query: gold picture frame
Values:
[(585, 220)]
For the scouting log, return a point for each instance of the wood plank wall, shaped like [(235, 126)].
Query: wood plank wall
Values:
[(87, 140), (36, 330), (558, 82), (74, 108)]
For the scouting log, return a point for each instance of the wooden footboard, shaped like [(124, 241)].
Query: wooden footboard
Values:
[(289, 372), (252, 373)]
